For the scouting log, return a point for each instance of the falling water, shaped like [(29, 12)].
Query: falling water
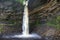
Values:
[(25, 25)]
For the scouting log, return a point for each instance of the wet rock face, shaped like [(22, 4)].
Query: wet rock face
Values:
[(35, 3), (4, 8), (9, 7)]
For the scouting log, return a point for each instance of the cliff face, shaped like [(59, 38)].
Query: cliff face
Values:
[(35, 3), (40, 11), (11, 11)]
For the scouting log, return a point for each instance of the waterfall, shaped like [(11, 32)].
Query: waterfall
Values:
[(25, 25)]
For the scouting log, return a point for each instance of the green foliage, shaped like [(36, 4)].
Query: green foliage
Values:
[(1, 28), (11, 21), (55, 22), (21, 1)]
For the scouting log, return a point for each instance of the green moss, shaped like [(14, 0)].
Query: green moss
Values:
[(1, 28), (54, 22), (21, 1)]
